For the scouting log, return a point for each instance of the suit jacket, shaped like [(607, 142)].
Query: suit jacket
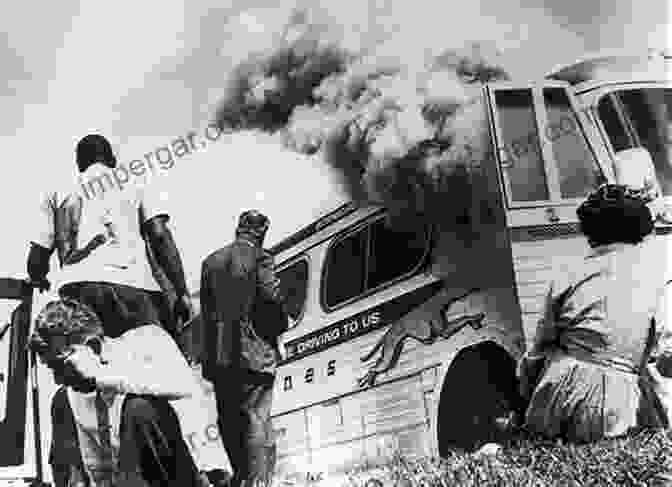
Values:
[(238, 283)]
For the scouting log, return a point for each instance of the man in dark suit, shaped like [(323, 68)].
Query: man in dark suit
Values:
[(242, 307)]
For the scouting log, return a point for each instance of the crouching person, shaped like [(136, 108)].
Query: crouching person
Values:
[(584, 373), (113, 422)]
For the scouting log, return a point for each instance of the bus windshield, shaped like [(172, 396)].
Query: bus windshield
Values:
[(642, 117)]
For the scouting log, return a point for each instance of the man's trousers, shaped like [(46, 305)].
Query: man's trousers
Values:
[(244, 400), (152, 450), (122, 308)]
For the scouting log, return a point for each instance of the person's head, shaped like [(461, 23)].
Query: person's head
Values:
[(253, 225), (93, 149), (615, 214), (60, 328)]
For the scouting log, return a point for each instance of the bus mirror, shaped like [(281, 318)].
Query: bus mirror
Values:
[(634, 168)]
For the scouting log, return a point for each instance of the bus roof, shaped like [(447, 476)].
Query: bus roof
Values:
[(313, 227)]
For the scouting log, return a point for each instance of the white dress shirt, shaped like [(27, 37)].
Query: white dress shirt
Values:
[(144, 360)]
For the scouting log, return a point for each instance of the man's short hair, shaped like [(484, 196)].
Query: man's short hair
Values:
[(67, 320), (94, 148), (253, 222)]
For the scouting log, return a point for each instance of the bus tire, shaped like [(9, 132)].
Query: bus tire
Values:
[(479, 387)]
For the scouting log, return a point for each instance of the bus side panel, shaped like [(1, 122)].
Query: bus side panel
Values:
[(340, 425), (537, 262), (471, 263), (336, 436)]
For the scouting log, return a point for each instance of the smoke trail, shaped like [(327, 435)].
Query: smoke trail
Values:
[(264, 89), (413, 137), (418, 140)]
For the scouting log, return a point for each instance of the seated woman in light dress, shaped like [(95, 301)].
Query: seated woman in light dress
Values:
[(585, 376)]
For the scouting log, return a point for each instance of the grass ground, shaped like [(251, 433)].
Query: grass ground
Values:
[(644, 459)]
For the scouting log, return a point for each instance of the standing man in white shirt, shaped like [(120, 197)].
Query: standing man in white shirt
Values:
[(103, 241), (112, 245)]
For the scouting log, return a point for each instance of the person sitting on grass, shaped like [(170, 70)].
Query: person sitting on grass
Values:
[(583, 375)]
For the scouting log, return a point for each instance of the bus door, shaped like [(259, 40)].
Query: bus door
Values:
[(16, 300), (547, 167)]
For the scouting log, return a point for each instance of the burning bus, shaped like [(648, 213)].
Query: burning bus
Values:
[(405, 336), (405, 332)]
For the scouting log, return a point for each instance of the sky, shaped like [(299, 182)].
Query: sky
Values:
[(144, 73)]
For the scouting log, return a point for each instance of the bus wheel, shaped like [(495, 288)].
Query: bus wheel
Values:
[(479, 387)]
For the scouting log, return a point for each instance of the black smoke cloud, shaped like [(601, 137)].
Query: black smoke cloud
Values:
[(414, 140), (264, 90)]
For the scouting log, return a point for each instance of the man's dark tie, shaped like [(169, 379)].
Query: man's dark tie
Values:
[(107, 466)]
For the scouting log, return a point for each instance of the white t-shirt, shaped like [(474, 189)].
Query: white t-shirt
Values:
[(105, 210)]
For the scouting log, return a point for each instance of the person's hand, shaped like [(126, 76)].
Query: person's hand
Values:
[(98, 240), (84, 362), (183, 309)]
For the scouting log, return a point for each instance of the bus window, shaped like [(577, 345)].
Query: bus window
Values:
[(294, 283), (618, 136), (525, 175), (393, 254), (345, 268), (371, 257), (642, 117), (577, 168)]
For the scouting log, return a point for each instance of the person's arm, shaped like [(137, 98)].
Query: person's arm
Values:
[(205, 295), (42, 246), (155, 366), (167, 255), (220, 279), (272, 293), (154, 227), (269, 283), (207, 309), (38, 265)]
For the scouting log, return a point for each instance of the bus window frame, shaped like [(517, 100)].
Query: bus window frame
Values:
[(609, 92), (551, 168), (287, 264), (366, 225)]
